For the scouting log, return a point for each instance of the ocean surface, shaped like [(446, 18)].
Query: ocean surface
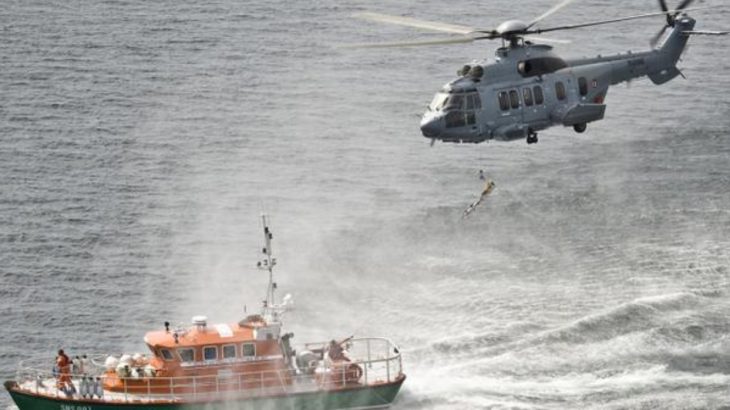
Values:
[(141, 140)]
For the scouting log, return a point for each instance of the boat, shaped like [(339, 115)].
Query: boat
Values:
[(244, 365)]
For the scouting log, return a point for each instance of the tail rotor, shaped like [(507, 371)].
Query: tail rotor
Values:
[(671, 18)]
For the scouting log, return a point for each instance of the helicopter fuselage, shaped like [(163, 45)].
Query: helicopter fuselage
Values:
[(530, 88)]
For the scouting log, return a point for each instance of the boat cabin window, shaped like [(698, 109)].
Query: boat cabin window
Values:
[(503, 101), (248, 350), (166, 354), (186, 354), (210, 353), (540, 66), (539, 98), (514, 99), (229, 351), (527, 96), (560, 90), (583, 86)]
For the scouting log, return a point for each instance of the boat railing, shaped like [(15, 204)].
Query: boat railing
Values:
[(378, 359)]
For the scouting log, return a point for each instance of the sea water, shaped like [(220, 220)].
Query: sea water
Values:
[(140, 141)]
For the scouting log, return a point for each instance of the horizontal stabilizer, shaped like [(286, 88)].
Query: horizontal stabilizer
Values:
[(706, 32)]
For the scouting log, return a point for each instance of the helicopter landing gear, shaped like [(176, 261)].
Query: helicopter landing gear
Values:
[(531, 137), (580, 128)]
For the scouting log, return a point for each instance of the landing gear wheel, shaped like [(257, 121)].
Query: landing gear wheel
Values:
[(531, 137), (580, 128)]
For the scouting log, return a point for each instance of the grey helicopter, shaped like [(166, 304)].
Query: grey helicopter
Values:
[(528, 87)]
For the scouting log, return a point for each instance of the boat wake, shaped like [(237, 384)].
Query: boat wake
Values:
[(643, 349)]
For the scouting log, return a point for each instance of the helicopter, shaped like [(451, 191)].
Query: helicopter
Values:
[(529, 88)]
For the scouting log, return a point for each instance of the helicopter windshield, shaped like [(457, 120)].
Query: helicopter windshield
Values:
[(454, 102), (461, 109), (438, 101)]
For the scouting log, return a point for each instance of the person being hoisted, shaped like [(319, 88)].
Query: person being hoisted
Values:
[(63, 378)]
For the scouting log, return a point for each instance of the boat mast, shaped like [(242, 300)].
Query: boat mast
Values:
[(268, 264)]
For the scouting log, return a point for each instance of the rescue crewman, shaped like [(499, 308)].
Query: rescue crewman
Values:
[(336, 352), (63, 380)]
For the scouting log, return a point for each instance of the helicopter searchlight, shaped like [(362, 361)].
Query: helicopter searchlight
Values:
[(528, 87)]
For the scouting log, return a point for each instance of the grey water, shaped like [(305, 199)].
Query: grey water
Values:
[(140, 141)]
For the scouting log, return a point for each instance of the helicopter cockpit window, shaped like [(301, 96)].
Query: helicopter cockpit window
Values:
[(461, 109), (473, 102), (455, 102), (438, 101)]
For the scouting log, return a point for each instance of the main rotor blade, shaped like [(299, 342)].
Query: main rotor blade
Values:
[(654, 40), (684, 4), (546, 40), (663, 6), (411, 22), (435, 42), (706, 32), (616, 20), (550, 12)]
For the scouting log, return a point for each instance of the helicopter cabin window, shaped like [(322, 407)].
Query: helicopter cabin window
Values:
[(166, 354), (514, 99), (229, 351), (527, 96), (582, 86), (186, 355), (560, 90), (503, 101), (248, 350), (539, 98), (210, 353)]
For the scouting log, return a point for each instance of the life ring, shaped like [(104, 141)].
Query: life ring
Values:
[(353, 373)]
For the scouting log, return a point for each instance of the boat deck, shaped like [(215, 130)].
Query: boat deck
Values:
[(378, 358)]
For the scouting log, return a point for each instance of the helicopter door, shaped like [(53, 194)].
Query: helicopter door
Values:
[(533, 102)]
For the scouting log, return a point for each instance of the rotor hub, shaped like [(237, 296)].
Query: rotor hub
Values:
[(512, 27)]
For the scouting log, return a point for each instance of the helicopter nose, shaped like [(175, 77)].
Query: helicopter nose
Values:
[(431, 127)]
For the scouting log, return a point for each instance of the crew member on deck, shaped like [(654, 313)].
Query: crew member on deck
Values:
[(63, 379), (336, 352)]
